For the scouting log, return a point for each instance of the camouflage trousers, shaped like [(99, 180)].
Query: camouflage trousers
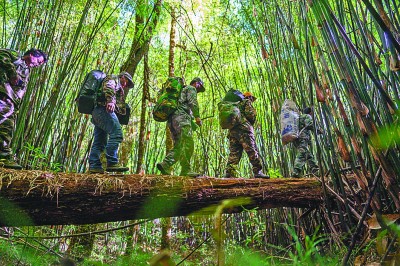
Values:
[(239, 141), (182, 135), (7, 126), (303, 156)]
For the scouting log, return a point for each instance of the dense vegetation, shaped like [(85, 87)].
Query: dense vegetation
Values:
[(341, 57)]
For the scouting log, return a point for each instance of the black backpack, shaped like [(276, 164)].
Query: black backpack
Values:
[(87, 96)]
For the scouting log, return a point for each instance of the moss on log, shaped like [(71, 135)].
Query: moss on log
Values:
[(44, 198)]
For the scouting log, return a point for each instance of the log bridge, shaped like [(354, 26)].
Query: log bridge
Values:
[(45, 198)]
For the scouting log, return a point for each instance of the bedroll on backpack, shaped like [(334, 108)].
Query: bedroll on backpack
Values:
[(289, 122), (87, 96), (168, 101), (229, 114), (233, 96), (12, 54)]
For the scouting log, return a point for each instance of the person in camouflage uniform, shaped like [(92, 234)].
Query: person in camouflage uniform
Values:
[(107, 129), (14, 77), (242, 137), (302, 144), (180, 125)]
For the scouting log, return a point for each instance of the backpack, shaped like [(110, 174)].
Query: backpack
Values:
[(87, 96), (289, 122), (13, 55), (168, 100), (233, 96), (124, 119), (229, 114)]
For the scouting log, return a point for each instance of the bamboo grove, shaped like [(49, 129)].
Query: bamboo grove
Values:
[(341, 57)]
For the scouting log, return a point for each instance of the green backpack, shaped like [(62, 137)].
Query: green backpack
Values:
[(229, 114), (13, 55), (168, 100), (229, 109)]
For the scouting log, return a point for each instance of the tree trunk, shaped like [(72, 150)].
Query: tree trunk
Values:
[(44, 198), (145, 26), (142, 128)]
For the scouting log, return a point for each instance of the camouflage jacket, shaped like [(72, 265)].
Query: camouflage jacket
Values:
[(248, 117), (113, 92), (305, 125), (12, 67), (188, 102)]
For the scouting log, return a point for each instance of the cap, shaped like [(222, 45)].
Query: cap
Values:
[(248, 94), (128, 78), (197, 79)]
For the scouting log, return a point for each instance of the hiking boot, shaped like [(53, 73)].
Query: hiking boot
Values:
[(315, 171), (295, 175), (228, 175), (116, 168), (96, 171), (163, 169), (260, 174), (10, 164)]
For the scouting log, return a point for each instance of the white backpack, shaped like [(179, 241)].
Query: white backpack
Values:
[(289, 122)]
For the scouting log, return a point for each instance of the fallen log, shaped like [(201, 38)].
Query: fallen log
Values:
[(45, 198)]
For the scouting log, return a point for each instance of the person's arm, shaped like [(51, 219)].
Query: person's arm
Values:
[(249, 111), (308, 122), (109, 85), (193, 103)]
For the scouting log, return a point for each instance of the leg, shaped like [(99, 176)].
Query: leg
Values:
[(98, 146), (249, 144), (109, 123), (187, 147), (114, 140), (174, 154), (235, 154), (312, 164), (7, 127), (299, 161)]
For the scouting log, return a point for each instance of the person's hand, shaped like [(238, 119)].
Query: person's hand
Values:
[(110, 107), (198, 121), (14, 81)]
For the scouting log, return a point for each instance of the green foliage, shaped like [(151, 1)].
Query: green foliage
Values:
[(138, 257), (10, 213), (389, 135), (239, 256), (12, 253), (307, 251), (39, 160), (274, 173)]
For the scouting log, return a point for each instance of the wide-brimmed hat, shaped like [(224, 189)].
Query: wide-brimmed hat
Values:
[(128, 78)]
